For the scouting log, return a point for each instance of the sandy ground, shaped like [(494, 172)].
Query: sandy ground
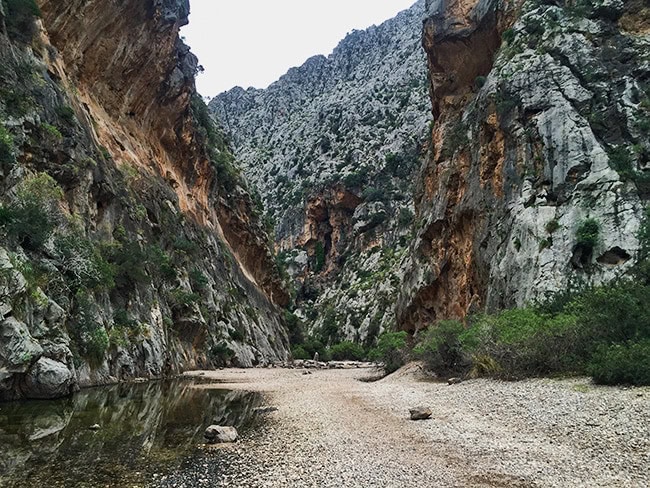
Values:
[(333, 430)]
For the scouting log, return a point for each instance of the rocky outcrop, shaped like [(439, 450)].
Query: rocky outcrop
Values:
[(541, 115), (128, 250), (333, 147)]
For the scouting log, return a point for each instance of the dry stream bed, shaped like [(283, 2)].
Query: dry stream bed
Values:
[(332, 430)]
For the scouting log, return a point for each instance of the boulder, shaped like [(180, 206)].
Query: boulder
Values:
[(18, 349), (216, 434), (420, 413), (49, 379)]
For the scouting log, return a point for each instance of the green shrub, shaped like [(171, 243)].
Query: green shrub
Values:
[(67, 114), (129, 263), (521, 342), (347, 351), (312, 346), (198, 280), (181, 298), (299, 352), (19, 18), (552, 226), (162, 263), (52, 132), (508, 35), (587, 234), (627, 363), (441, 349), (615, 313), (88, 334), (405, 217), (220, 354), (320, 257), (371, 194), (390, 350), (294, 327), (7, 158), (354, 180), (32, 217), (82, 264)]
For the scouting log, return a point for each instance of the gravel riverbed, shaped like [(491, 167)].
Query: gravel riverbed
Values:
[(333, 430)]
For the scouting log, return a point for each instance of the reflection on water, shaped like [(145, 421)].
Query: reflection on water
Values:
[(144, 429)]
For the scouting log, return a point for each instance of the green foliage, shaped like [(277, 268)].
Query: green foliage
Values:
[(294, 327), (405, 217), (627, 363), (181, 244), (220, 354), (354, 180), (82, 264), (521, 342), (32, 217), (198, 280), (642, 268), (390, 350), (181, 298), (552, 226), (88, 334), (455, 138), (375, 194), (504, 103), (309, 348), (67, 114), (347, 351), (299, 352), (594, 331), (163, 267), (128, 260), (7, 158), (52, 132), (508, 36), (587, 234), (319, 253), (440, 348), (19, 18)]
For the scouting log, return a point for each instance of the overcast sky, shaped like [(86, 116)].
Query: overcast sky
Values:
[(254, 42)]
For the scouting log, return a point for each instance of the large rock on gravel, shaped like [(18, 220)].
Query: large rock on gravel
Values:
[(216, 434), (420, 413)]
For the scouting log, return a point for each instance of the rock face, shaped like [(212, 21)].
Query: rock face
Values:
[(541, 119), (333, 148), (130, 245)]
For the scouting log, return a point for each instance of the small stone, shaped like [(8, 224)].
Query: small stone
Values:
[(454, 381), (220, 434), (420, 413)]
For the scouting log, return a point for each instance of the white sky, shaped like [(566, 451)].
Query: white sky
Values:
[(254, 42)]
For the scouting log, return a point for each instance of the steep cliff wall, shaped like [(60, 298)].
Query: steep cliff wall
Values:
[(333, 147), (131, 246), (539, 164)]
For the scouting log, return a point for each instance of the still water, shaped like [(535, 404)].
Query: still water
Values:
[(145, 429)]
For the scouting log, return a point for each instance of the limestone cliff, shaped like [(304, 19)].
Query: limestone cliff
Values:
[(539, 166), (130, 244), (333, 147)]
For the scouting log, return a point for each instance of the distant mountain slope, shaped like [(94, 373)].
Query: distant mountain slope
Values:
[(333, 147)]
